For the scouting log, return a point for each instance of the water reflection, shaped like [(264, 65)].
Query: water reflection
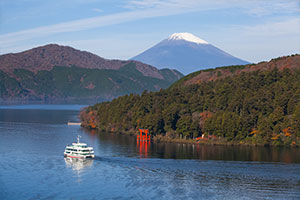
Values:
[(78, 165), (118, 173), (143, 148), (112, 144)]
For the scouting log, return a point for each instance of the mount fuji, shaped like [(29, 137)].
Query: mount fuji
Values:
[(186, 53)]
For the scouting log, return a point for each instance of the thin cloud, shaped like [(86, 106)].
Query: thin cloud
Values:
[(149, 9), (252, 7), (134, 4), (85, 24), (264, 8), (281, 28), (97, 10)]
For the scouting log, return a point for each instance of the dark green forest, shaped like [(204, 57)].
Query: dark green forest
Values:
[(74, 82), (260, 107)]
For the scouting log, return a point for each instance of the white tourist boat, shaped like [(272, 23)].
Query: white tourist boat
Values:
[(79, 150)]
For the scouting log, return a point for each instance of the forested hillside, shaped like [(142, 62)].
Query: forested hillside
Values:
[(62, 73), (74, 83), (253, 107)]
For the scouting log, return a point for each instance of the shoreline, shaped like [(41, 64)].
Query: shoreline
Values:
[(216, 142), (212, 142)]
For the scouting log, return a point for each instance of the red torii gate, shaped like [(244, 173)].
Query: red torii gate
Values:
[(143, 136)]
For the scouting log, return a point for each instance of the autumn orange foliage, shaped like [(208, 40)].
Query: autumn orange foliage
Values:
[(254, 132), (275, 137), (92, 119), (205, 115), (287, 132)]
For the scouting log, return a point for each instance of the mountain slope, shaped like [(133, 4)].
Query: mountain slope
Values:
[(281, 63), (258, 107), (54, 72), (186, 53), (48, 56)]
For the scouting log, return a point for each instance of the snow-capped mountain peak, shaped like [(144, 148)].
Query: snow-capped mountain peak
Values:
[(187, 37), (186, 53)]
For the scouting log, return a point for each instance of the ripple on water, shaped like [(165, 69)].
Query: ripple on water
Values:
[(32, 166)]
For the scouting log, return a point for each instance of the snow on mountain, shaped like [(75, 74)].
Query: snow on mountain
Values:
[(187, 37), (186, 53)]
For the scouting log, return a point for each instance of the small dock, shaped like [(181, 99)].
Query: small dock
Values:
[(74, 123)]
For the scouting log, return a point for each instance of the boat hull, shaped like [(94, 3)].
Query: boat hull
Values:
[(78, 156)]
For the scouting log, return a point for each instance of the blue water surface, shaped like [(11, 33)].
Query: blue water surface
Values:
[(32, 166)]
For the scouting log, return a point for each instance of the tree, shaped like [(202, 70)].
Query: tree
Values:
[(184, 126)]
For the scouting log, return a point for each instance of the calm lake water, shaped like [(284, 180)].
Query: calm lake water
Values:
[(32, 166)]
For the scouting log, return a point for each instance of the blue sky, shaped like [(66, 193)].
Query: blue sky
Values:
[(254, 30)]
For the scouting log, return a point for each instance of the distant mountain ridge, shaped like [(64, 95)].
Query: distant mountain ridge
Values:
[(186, 53), (53, 72), (48, 56)]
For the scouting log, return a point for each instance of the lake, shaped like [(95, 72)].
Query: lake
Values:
[(32, 166)]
